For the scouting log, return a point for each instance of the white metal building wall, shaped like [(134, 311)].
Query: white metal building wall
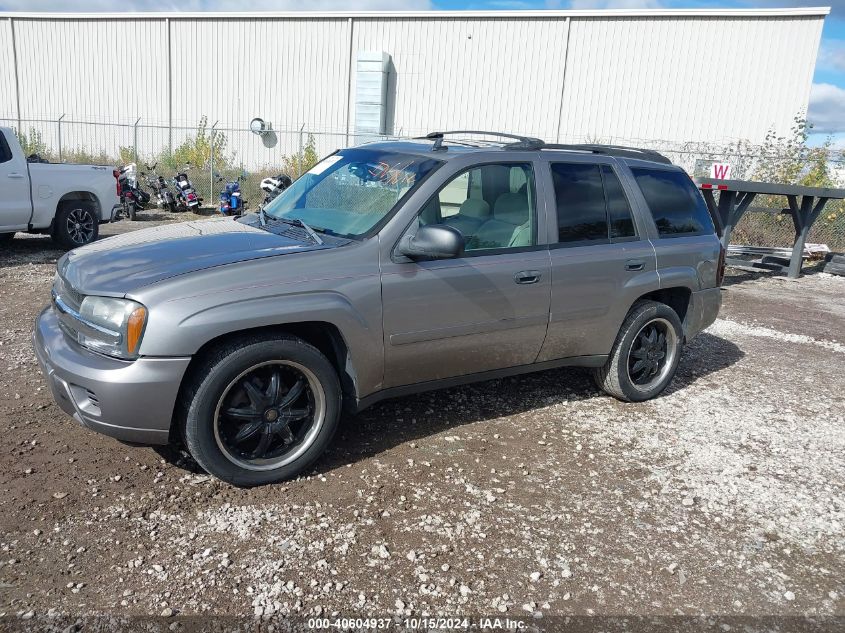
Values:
[(8, 91), (564, 75), (688, 79)]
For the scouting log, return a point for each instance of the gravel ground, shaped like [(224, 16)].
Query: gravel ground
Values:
[(524, 498)]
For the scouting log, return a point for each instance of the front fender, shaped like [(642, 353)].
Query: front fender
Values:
[(196, 329), (180, 327)]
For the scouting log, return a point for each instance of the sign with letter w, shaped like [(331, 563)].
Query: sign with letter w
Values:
[(720, 171)]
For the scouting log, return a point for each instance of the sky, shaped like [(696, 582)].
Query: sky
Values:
[(827, 97)]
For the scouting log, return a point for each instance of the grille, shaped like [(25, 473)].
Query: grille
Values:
[(68, 294)]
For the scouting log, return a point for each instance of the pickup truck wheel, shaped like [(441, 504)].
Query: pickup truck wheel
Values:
[(645, 355), (75, 225), (263, 410)]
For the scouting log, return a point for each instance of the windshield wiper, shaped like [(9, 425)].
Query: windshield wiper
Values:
[(311, 232)]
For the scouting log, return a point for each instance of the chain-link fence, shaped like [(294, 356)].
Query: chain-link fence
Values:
[(210, 153), (215, 154)]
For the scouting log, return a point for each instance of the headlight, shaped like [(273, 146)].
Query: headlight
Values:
[(114, 326)]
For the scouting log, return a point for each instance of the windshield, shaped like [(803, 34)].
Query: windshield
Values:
[(350, 192)]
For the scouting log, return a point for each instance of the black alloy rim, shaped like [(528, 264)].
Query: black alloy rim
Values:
[(269, 415)]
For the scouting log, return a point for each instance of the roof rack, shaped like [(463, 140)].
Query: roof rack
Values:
[(531, 143), (522, 142), (612, 150)]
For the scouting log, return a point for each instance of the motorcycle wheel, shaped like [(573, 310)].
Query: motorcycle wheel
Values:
[(172, 206), (130, 211)]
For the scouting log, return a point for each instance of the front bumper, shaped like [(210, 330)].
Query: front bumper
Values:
[(703, 310), (132, 401)]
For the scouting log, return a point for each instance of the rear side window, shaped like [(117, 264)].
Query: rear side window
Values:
[(675, 204), (618, 208), (591, 205), (5, 150)]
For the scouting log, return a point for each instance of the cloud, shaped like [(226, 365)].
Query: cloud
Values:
[(832, 55), (827, 109), (109, 6)]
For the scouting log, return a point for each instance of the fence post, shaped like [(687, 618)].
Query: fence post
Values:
[(211, 164), (299, 155), (16, 73), (59, 125), (169, 89), (135, 140)]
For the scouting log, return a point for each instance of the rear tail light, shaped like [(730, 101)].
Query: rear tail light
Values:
[(116, 174), (720, 270)]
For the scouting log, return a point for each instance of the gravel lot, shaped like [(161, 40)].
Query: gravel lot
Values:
[(526, 498)]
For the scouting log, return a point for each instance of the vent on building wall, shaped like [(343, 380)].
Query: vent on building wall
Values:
[(371, 74)]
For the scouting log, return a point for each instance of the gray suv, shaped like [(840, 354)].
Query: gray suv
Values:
[(387, 269)]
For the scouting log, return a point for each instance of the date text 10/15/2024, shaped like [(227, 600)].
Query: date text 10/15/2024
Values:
[(457, 623)]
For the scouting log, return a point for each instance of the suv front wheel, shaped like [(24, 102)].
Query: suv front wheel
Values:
[(261, 410), (645, 355)]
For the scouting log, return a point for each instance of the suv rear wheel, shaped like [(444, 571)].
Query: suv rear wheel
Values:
[(262, 411), (645, 355)]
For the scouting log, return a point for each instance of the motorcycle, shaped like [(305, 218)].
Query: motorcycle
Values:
[(187, 197), (157, 183), (132, 197), (273, 186), (231, 200)]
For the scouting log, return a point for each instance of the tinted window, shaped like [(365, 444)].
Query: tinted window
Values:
[(5, 151), (491, 205), (618, 209), (675, 204), (579, 196)]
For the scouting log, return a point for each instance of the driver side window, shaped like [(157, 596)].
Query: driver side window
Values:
[(493, 206)]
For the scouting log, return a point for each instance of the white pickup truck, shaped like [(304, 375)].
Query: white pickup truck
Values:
[(67, 201)]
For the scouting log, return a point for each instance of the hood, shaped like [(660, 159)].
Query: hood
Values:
[(120, 264)]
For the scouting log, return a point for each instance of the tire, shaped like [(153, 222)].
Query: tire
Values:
[(615, 377), (130, 211), (5, 238), (294, 443), (75, 224), (171, 206), (834, 268)]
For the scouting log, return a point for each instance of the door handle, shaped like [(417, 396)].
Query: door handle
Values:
[(634, 264), (15, 175), (527, 277)]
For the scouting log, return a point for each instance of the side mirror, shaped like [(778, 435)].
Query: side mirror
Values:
[(433, 241)]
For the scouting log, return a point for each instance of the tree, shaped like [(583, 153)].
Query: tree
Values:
[(299, 162)]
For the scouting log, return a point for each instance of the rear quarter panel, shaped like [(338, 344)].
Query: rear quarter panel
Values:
[(52, 181), (690, 262)]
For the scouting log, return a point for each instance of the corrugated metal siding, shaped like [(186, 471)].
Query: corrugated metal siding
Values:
[(687, 79), (626, 77), (476, 74), (289, 72), (7, 75), (89, 68)]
